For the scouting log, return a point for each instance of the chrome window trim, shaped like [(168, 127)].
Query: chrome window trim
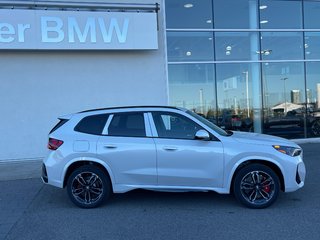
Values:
[(152, 125), (106, 127), (147, 125)]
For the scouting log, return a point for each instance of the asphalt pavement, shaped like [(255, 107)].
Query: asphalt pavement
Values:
[(32, 210)]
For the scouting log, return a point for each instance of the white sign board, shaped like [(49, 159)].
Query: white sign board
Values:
[(77, 30)]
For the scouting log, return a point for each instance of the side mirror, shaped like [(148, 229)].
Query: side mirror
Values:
[(202, 135)]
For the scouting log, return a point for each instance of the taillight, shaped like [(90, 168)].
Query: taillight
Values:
[(54, 144)]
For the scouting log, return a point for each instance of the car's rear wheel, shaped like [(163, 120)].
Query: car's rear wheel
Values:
[(256, 186), (88, 187)]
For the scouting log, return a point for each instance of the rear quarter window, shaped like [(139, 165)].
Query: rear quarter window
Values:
[(92, 124), (58, 125)]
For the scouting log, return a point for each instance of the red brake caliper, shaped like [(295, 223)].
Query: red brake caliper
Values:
[(266, 188)]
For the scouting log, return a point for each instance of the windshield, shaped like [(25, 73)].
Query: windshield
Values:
[(208, 124)]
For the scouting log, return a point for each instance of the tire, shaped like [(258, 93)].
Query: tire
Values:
[(315, 128), (88, 187), (256, 186)]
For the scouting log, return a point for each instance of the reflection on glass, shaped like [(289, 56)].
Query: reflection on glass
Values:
[(230, 14), (189, 14), (190, 46), (312, 45), (280, 14), (274, 100), (313, 98), (281, 45), (311, 15), (234, 94), (192, 86), (284, 99), (236, 46)]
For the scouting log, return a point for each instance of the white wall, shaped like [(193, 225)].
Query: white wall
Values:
[(38, 86)]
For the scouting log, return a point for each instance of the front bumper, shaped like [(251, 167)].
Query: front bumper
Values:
[(301, 173)]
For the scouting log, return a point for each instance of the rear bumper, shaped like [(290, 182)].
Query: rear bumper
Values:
[(44, 175)]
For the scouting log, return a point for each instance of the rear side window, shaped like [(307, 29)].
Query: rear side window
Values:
[(58, 125), (92, 124), (127, 125)]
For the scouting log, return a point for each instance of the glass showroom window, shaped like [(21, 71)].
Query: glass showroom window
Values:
[(190, 46), (311, 14), (282, 45), (192, 86), (189, 14), (231, 14), (312, 45), (313, 98), (232, 46), (236, 102), (276, 14), (284, 99)]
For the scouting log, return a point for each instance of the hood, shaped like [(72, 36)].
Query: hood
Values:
[(261, 139)]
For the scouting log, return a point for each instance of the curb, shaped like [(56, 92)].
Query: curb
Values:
[(306, 140)]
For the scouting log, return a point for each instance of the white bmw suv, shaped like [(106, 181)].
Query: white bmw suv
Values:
[(99, 152)]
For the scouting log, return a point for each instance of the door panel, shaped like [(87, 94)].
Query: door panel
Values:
[(181, 159), (132, 159), (193, 163)]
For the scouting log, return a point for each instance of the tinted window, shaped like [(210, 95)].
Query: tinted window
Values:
[(190, 46), (127, 125), (171, 125), (239, 14), (311, 14), (280, 14), (92, 124), (189, 14)]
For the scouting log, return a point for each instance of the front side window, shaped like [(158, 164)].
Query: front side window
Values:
[(172, 125), (127, 125)]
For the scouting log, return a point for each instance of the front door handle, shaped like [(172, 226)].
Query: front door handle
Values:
[(110, 146), (170, 148)]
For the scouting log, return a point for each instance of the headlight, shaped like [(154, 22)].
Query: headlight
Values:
[(291, 151)]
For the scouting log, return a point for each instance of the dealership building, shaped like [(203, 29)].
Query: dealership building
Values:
[(248, 65)]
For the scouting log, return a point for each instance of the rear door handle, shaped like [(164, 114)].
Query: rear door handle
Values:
[(110, 146), (170, 148)]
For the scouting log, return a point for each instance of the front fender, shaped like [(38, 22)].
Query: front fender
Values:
[(230, 171)]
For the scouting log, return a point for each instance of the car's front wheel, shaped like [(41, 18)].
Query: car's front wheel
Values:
[(88, 186), (256, 186)]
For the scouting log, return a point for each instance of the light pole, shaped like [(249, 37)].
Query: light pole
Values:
[(284, 93), (201, 101), (247, 93)]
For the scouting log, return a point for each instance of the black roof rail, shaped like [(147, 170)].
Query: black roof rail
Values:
[(123, 107)]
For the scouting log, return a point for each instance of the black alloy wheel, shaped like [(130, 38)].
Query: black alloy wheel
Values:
[(256, 186), (88, 187)]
